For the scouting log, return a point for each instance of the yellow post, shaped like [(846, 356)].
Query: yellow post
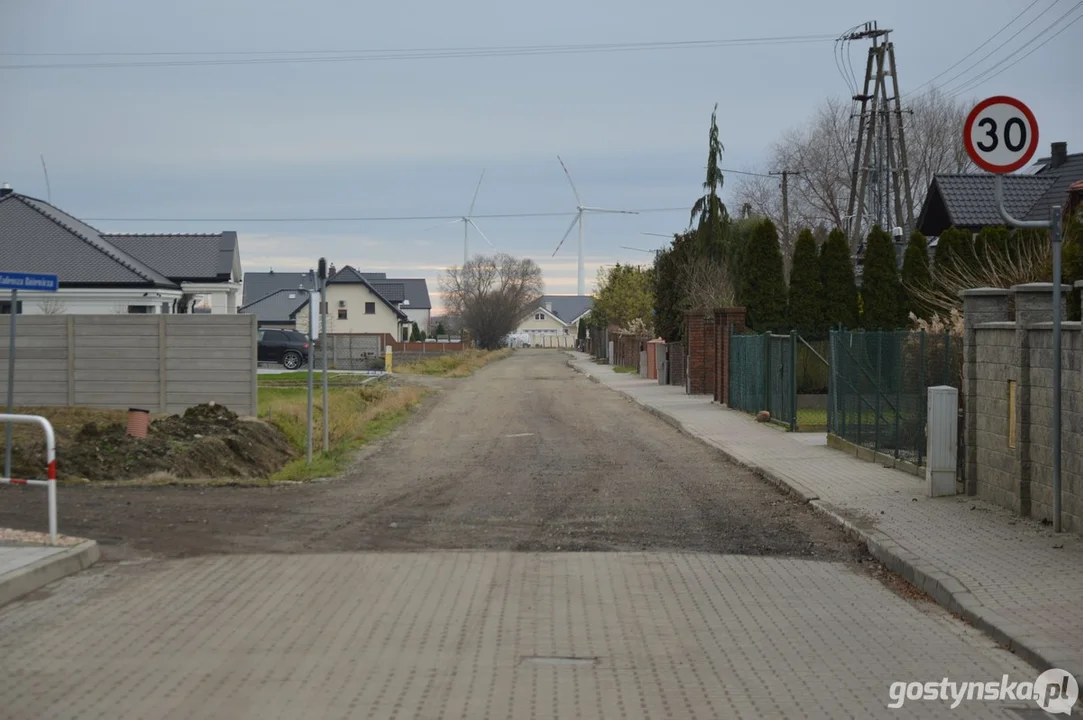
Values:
[(387, 358)]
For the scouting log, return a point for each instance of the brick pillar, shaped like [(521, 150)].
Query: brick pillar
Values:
[(724, 318), (694, 322), (710, 353), (980, 305)]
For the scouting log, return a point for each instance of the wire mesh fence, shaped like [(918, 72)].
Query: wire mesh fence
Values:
[(763, 375), (879, 383)]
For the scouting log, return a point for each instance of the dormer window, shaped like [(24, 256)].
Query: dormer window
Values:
[(539, 316)]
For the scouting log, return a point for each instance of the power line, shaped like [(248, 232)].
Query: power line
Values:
[(998, 47), (978, 81), (971, 53), (339, 56), (370, 218)]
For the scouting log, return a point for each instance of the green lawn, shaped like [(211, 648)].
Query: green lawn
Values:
[(625, 369)]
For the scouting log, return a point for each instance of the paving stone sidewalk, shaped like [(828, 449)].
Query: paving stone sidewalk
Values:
[(1010, 576), (28, 562)]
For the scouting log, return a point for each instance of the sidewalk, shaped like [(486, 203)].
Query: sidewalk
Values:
[(1009, 576), (28, 563)]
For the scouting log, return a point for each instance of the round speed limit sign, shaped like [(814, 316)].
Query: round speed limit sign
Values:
[(1001, 134)]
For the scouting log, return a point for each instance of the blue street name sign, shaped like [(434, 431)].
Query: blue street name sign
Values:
[(29, 281)]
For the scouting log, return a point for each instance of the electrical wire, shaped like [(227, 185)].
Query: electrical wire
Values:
[(977, 81), (971, 53), (299, 57), (370, 218)]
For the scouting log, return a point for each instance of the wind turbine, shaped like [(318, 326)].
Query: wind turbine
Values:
[(467, 221), (580, 209)]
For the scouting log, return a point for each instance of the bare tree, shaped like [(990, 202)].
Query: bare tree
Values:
[(52, 306), (822, 149), (491, 294), (707, 285)]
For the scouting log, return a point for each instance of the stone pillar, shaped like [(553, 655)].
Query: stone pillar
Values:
[(724, 319), (1033, 305), (980, 305)]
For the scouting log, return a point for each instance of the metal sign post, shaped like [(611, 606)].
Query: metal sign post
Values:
[(323, 349), (1001, 136), (16, 282)]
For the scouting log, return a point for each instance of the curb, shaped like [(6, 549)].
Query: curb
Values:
[(944, 588), (25, 580)]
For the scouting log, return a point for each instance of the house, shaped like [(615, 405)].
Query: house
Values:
[(354, 306), (103, 273), (410, 295), (554, 315), (969, 201)]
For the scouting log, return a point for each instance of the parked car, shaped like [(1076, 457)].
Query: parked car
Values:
[(289, 347)]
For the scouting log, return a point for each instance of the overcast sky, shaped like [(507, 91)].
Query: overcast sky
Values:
[(409, 137)]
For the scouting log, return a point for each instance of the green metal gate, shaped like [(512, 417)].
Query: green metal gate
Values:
[(763, 375)]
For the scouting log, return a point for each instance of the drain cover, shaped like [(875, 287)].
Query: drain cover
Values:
[(559, 660)]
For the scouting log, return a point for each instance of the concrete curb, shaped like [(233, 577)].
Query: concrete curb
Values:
[(945, 589), (25, 580)]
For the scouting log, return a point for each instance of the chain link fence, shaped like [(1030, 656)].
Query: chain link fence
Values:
[(763, 375), (879, 384)]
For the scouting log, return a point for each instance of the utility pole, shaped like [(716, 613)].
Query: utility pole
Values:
[(323, 349), (786, 200), (880, 176)]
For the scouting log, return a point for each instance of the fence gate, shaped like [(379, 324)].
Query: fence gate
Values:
[(353, 352)]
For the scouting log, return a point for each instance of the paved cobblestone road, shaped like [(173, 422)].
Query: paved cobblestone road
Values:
[(697, 591)]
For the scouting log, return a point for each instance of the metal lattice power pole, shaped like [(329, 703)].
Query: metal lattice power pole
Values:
[(880, 179)]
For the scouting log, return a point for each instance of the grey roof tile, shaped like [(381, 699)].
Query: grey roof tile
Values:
[(38, 237), (393, 291), (568, 307), (348, 274), (259, 285), (416, 291), (971, 202), (278, 307), (374, 276), (192, 257), (1064, 176)]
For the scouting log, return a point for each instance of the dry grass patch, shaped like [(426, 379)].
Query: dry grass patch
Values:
[(461, 364), (357, 415)]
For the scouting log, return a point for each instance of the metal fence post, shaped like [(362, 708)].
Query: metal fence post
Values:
[(879, 383), (793, 381), (899, 340), (922, 405), (766, 369)]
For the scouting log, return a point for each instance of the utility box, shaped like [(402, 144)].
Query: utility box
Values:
[(662, 362), (942, 438), (609, 357), (643, 369)]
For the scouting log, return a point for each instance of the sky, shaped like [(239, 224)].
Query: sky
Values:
[(147, 147)]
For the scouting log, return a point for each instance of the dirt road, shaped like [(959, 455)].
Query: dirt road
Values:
[(524, 455)]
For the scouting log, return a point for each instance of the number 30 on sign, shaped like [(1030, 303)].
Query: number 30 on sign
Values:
[(1001, 134)]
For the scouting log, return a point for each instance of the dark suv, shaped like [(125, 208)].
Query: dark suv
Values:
[(289, 347)]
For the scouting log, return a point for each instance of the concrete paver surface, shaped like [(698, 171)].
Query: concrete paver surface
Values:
[(436, 582)]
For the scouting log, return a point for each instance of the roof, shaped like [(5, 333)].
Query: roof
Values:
[(278, 307), (347, 275), (184, 257), (258, 285), (37, 237), (968, 201), (568, 308)]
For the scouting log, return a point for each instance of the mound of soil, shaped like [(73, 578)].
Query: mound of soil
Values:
[(206, 441)]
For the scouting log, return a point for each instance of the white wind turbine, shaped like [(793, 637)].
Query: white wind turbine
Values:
[(580, 209), (467, 221)]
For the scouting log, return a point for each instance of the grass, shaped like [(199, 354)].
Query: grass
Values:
[(300, 379), (358, 415), (459, 364), (625, 369)]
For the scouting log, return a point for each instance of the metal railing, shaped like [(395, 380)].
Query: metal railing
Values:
[(50, 460)]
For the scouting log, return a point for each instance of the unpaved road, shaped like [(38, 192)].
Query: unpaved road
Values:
[(525, 455)]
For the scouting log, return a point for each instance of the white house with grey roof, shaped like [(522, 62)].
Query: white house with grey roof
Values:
[(554, 315), (103, 273)]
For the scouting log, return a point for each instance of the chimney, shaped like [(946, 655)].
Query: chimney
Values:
[(331, 270), (549, 306), (5, 190), (1059, 155)]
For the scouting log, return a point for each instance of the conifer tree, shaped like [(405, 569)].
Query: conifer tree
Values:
[(806, 288), (763, 283), (881, 291), (915, 273), (840, 288)]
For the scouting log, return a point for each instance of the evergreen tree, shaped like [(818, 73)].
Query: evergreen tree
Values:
[(711, 229), (840, 305), (763, 284), (951, 247), (915, 273), (806, 288), (415, 333), (581, 333), (881, 291), (669, 295), (991, 245), (440, 331)]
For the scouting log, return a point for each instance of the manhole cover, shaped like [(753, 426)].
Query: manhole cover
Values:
[(559, 660)]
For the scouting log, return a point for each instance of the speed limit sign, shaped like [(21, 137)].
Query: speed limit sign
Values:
[(1001, 134)]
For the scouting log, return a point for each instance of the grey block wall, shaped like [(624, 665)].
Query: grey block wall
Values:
[(1009, 338), (161, 363)]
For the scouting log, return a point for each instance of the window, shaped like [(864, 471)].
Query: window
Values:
[(165, 308), (539, 316), (370, 308), (342, 313), (5, 308), (140, 309)]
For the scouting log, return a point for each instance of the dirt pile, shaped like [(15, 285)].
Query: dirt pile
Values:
[(206, 441)]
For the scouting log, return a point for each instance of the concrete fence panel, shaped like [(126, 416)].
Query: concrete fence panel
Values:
[(162, 363)]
